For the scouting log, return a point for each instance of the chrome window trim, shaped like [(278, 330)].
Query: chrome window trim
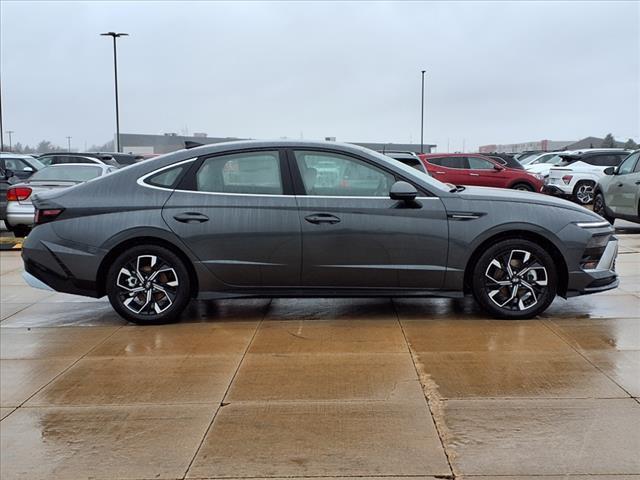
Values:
[(142, 183), (141, 180)]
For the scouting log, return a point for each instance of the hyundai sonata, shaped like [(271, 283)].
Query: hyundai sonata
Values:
[(303, 219)]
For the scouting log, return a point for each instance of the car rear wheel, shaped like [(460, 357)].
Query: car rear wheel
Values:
[(525, 187), (600, 209), (514, 279), (583, 192), (149, 284)]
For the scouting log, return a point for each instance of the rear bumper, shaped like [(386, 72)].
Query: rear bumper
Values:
[(59, 264), (20, 214), (555, 191), (599, 279)]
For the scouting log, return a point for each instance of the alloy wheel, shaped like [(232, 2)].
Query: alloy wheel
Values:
[(584, 193), (516, 280), (147, 285)]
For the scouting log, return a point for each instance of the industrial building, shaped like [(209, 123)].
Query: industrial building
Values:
[(170, 142)]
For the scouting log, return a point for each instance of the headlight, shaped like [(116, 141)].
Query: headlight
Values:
[(539, 177), (594, 224)]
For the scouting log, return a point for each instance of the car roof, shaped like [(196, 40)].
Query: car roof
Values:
[(14, 155), (103, 166)]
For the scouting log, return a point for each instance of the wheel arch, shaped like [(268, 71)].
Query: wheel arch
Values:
[(124, 245), (522, 181), (548, 245)]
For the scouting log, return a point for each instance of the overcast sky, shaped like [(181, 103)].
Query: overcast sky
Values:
[(497, 72)]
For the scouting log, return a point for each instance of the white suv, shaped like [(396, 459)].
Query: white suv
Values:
[(577, 173)]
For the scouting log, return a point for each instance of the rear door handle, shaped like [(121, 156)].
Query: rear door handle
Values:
[(638, 182), (191, 217), (474, 174), (440, 173), (318, 218)]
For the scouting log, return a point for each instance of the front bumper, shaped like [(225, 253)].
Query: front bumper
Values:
[(599, 279)]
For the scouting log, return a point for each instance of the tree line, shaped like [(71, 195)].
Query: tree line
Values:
[(45, 146)]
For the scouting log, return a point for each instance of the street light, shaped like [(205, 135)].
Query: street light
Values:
[(9, 132), (422, 117), (115, 35), (69, 144)]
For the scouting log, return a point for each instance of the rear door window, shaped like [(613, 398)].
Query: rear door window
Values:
[(477, 163), (255, 173), (450, 162)]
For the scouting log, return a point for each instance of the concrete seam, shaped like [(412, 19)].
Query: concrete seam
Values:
[(208, 429), (426, 396)]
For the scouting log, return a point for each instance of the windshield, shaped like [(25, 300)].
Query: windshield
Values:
[(68, 173)]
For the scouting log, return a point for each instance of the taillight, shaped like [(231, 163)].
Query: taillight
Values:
[(567, 179), (47, 215), (18, 194)]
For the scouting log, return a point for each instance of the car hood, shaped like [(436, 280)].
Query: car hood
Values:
[(508, 195)]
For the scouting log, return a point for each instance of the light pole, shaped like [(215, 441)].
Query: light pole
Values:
[(422, 117), (9, 132), (1, 130), (115, 36), (69, 144)]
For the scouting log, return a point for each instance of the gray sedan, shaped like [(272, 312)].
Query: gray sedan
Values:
[(304, 219), (20, 211)]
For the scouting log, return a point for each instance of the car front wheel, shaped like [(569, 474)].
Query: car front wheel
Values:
[(599, 208), (148, 284), (524, 187), (514, 279)]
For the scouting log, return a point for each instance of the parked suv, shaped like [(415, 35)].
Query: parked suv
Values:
[(618, 192), (475, 169), (576, 174)]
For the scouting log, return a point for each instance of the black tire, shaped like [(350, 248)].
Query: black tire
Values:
[(513, 298), (20, 231), (600, 208), (580, 192), (156, 302), (525, 187)]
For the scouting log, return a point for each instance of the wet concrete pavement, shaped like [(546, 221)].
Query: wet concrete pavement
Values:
[(320, 388)]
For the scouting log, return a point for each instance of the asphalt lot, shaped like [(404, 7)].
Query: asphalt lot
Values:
[(321, 388)]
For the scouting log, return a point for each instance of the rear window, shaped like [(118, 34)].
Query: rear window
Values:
[(75, 173)]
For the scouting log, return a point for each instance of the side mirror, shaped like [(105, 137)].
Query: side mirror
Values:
[(28, 169), (498, 168), (610, 171), (403, 191)]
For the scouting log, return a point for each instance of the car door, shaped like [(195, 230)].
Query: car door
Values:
[(483, 172), (623, 189), (238, 215), (355, 236)]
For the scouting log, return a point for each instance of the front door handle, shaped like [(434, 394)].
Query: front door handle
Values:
[(638, 182), (318, 218), (474, 174), (191, 217), (440, 173)]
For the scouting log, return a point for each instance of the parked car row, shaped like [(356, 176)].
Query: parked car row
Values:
[(22, 176), (579, 175)]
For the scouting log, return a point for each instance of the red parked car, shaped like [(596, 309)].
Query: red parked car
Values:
[(474, 169)]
